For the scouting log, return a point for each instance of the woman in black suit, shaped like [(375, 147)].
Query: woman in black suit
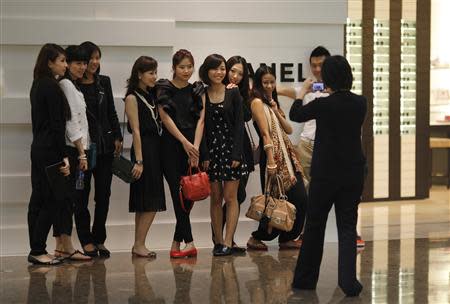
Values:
[(337, 175), (49, 113), (104, 132)]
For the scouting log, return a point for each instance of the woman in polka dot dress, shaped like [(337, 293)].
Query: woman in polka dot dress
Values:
[(224, 133)]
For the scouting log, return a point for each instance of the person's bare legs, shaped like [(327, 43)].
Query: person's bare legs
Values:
[(143, 221), (216, 211), (230, 196)]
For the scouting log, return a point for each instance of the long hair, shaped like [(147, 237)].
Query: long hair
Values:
[(141, 65), (50, 52), (89, 48), (213, 61), (258, 89), (244, 85), (178, 57)]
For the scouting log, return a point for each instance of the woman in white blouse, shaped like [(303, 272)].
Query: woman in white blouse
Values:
[(77, 143)]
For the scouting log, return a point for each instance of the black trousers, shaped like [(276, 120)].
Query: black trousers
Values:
[(297, 196), (175, 165), (322, 195), (43, 207), (64, 220), (102, 184)]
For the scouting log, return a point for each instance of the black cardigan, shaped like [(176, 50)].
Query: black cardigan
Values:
[(47, 117), (338, 151), (234, 117), (104, 128)]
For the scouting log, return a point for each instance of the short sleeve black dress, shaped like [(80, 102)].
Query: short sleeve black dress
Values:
[(147, 193)]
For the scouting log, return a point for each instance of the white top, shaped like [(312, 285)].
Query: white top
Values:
[(77, 126), (309, 128)]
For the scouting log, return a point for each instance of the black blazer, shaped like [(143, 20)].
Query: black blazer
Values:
[(338, 151), (104, 128), (234, 117), (47, 117)]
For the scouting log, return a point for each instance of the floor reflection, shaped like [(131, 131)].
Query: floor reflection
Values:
[(392, 271), (406, 260)]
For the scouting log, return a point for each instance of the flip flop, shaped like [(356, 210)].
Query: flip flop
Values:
[(64, 255), (150, 255)]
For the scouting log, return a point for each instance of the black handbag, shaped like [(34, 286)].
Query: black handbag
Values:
[(256, 150), (121, 166)]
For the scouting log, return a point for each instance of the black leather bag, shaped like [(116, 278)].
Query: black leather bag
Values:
[(122, 167)]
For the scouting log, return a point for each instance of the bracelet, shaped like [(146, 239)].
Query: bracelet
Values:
[(271, 167), (83, 156), (268, 146), (139, 162)]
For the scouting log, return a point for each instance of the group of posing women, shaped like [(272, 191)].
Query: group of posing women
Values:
[(175, 125)]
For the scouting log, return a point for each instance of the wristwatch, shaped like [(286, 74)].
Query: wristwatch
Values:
[(139, 162)]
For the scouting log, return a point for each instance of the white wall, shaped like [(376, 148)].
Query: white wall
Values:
[(268, 32)]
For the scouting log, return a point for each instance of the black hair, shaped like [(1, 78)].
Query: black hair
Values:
[(213, 61), (76, 53), (48, 52), (244, 85), (90, 48), (337, 73), (319, 52), (141, 65), (258, 90), (178, 57)]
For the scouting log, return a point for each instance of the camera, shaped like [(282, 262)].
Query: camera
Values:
[(318, 86)]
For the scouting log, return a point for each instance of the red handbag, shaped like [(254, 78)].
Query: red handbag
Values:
[(194, 187)]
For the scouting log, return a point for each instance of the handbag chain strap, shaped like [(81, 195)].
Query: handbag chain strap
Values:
[(251, 136)]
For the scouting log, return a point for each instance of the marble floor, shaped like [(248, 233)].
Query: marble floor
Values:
[(406, 260)]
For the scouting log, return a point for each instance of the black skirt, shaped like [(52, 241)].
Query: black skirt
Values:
[(147, 193)]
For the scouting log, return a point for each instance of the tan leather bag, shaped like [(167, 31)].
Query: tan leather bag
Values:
[(279, 212)]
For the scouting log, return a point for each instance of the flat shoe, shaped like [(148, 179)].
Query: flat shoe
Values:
[(102, 251), (35, 261)]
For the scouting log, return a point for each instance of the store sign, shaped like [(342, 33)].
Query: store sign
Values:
[(286, 71)]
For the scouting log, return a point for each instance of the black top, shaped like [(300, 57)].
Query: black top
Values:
[(182, 104), (47, 116), (234, 117), (103, 122), (337, 147), (147, 125)]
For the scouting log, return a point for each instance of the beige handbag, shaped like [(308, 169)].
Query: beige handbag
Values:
[(279, 213)]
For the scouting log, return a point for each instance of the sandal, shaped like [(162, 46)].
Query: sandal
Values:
[(149, 255), (72, 256), (293, 244), (254, 244)]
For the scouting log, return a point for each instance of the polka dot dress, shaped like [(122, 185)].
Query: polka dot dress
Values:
[(221, 145)]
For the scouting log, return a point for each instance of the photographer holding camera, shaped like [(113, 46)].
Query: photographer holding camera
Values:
[(338, 167)]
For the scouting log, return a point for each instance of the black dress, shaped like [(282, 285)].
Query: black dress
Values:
[(221, 140), (147, 193)]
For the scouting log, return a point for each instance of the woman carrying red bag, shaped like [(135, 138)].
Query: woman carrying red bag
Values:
[(181, 107)]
